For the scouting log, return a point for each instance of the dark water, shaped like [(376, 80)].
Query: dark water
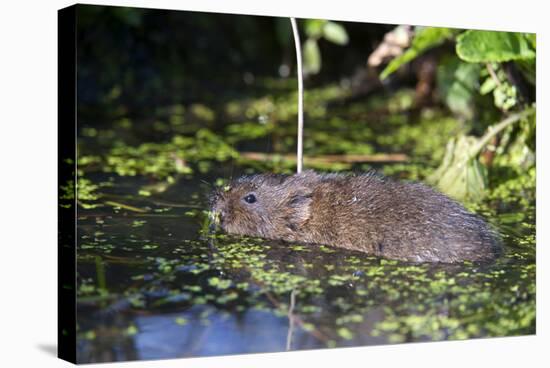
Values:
[(153, 284)]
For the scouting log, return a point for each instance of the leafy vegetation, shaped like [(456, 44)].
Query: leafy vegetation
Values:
[(315, 30), (495, 47), (425, 39), (482, 54)]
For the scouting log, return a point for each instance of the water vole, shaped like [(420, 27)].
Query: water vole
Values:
[(367, 212)]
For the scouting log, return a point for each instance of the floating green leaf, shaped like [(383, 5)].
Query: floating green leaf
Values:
[(219, 283), (180, 321), (131, 330), (345, 333)]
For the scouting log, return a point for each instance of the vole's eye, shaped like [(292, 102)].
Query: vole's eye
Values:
[(250, 198)]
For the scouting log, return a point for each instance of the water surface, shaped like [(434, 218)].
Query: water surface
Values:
[(152, 283)]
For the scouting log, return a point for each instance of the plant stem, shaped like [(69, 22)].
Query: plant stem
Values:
[(291, 319), (493, 74), (300, 158), (497, 128)]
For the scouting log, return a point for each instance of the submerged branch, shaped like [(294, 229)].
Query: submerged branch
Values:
[(125, 206), (328, 159)]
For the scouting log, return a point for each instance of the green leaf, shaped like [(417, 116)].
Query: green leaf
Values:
[(458, 83), (487, 86), (460, 175), (425, 39), (492, 46), (505, 96), (335, 33), (314, 27), (131, 330), (180, 321), (312, 57), (532, 38), (144, 192), (221, 284), (345, 333)]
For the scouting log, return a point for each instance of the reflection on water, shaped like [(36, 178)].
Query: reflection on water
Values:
[(152, 284)]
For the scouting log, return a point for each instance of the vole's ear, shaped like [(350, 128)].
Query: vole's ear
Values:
[(300, 203)]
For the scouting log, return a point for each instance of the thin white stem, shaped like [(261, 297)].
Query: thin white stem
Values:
[(297, 43)]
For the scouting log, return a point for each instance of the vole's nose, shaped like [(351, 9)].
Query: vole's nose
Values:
[(217, 216), (214, 221), (221, 216)]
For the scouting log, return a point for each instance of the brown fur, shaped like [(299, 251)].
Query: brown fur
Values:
[(369, 213)]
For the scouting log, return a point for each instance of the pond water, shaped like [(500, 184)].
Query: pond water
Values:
[(153, 283)]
